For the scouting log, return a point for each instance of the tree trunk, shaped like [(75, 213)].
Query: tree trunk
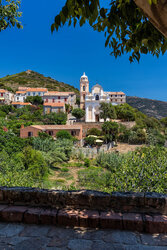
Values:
[(157, 13)]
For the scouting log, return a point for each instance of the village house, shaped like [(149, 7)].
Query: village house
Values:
[(20, 96), (22, 88), (53, 107), (21, 104), (36, 91), (60, 97), (24, 92), (6, 97), (33, 130), (90, 101)]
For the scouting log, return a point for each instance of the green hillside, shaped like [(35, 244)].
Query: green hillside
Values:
[(34, 79), (152, 108), (29, 78)]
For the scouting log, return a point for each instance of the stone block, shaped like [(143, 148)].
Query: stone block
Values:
[(111, 220), (127, 200), (68, 217), (133, 222), (157, 203), (48, 216), (88, 218), (13, 213), (32, 215), (156, 224)]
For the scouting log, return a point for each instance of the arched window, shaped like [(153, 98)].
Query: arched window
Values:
[(83, 88), (97, 97)]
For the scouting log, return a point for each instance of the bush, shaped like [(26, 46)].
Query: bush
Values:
[(144, 170), (56, 118), (2, 114), (154, 138), (94, 131), (64, 170), (91, 141), (110, 131), (78, 113), (87, 163), (35, 100), (63, 134)]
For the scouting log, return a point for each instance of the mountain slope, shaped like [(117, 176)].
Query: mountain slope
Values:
[(33, 79), (154, 108)]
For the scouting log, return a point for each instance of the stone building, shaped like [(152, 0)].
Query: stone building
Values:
[(90, 101), (33, 130), (60, 97), (53, 107), (20, 96), (6, 97)]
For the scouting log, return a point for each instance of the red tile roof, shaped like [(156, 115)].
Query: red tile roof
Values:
[(3, 91), (36, 90), (22, 88), (116, 93), (50, 104), (61, 127), (21, 103), (20, 92), (55, 93)]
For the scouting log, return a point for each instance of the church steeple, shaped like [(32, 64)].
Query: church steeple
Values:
[(84, 90)]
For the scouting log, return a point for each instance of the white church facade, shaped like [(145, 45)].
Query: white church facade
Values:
[(90, 101)]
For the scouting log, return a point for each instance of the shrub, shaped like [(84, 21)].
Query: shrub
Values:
[(78, 113), (94, 131), (64, 170), (110, 131), (2, 114), (144, 170), (91, 141), (56, 118), (87, 162), (63, 134)]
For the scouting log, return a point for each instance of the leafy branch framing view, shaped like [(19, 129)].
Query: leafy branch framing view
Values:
[(125, 26)]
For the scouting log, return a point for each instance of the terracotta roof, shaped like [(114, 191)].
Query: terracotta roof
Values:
[(116, 93), (61, 127), (36, 90), (3, 91), (55, 93), (20, 92), (54, 104), (21, 103), (22, 88)]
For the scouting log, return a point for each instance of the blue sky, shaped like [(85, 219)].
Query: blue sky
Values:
[(66, 54)]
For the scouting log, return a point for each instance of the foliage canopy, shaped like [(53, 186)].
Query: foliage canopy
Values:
[(126, 28), (9, 14)]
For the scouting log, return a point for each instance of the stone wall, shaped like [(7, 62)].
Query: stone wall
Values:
[(88, 125), (146, 212), (94, 151)]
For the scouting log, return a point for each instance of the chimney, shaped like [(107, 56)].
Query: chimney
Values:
[(22, 126)]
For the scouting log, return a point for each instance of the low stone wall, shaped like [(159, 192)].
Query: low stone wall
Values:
[(144, 212), (94, 151)]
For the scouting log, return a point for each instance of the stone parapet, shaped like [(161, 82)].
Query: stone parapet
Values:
[(143, 212), (152, 203)]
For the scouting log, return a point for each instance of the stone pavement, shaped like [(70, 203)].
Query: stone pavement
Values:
[(32, 237)]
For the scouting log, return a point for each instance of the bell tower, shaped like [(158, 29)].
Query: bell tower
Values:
[(84, 90)]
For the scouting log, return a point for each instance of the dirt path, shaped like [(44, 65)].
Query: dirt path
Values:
[(125, 148)]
